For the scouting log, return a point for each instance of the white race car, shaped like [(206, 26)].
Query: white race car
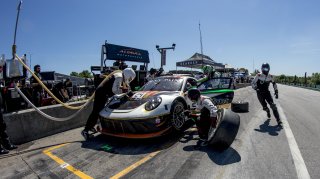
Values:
[(152, 111), (158, 107)]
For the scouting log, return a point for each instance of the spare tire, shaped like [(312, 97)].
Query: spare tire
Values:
[(227, 130), (240, 106)]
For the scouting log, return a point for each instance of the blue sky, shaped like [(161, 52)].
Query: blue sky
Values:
[(66, 35)]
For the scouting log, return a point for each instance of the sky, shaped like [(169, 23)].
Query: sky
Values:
[(66, 35)]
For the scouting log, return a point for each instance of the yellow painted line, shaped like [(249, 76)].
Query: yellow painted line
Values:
[(63, 164), (135, 165)]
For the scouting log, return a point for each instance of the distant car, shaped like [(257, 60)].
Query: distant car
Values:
[(158, 107)]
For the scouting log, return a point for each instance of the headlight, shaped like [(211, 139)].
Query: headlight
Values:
[(153, 103)]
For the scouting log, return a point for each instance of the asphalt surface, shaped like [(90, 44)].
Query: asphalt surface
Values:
[(261, 149)]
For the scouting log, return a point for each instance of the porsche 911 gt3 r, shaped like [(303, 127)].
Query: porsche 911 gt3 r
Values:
[(154, 110)]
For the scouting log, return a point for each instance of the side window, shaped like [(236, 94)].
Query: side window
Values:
[(216, 83)]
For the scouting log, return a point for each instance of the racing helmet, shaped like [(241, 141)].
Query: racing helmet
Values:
[(128, 74), (265, 68), (194, 94), (207, 69)]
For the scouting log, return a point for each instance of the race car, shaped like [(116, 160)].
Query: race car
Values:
[(152, 111), (158, 107)]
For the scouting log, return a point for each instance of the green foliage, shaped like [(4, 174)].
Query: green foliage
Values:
[(314, 79), (74, 74), (83, 74)]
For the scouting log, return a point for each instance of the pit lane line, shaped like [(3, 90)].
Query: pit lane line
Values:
[(145, 159), (298, 161), (63, 164), (122, 173)]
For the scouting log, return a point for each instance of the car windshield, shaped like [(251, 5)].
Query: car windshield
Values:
[(216, 83), (163, 84)]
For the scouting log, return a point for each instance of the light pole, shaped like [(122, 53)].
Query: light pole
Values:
[(163, 53)]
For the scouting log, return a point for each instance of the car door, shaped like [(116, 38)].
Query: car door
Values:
[(219, 89)]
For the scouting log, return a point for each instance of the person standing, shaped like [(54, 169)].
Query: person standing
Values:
[(118, 83), (36, 87)]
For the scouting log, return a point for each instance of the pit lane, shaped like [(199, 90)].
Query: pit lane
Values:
[(260, 150)]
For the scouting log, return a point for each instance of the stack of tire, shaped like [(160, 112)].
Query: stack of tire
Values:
[(240, 106)]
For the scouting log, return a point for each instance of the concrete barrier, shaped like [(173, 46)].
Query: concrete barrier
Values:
[(27, 125)]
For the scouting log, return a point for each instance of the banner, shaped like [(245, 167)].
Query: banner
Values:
[(117, 52)]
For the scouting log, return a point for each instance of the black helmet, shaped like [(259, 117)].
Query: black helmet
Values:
[(152, 71), (193, 94), (265, 68)]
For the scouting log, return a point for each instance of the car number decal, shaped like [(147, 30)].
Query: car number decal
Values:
[(138, 96)]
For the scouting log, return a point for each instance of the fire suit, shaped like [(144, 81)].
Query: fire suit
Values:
[(114, 85), (208, 116), (261, 84)]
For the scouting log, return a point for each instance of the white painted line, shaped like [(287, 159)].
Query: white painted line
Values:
[(64, 165), (298, 161)]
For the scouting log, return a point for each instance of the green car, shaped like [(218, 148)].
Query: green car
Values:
[(220, 90)]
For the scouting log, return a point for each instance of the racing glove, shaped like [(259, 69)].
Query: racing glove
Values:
[(276, 94)]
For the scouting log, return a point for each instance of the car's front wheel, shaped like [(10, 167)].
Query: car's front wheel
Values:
[(177, 115)]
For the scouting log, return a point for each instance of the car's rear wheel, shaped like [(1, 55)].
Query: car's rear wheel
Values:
[(177, 115)]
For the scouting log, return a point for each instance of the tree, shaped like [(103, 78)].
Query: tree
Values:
[(315, 78), (74, 74), (85, 74)]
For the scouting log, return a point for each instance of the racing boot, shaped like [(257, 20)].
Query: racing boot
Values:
[(3, 150), (8, 145), (93, 130), (201, 143), (86, 135)]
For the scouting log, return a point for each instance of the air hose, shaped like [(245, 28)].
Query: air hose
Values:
[(46, 115), (52, 95)]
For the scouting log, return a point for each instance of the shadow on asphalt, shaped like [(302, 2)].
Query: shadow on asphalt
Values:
[(131, 146), (266, 128), (226, 157), (22, 149)]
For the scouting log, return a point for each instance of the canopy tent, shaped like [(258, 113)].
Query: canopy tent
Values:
[(198, 61)]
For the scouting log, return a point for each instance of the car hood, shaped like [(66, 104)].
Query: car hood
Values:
[(138, 99)]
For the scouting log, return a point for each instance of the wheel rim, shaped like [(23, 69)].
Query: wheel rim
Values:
[(178, 116)]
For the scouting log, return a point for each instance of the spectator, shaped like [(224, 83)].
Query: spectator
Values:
[(152, 75), (36, 87)]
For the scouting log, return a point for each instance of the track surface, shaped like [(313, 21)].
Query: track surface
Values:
[(261, 149)]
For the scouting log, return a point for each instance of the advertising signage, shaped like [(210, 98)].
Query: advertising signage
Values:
[(117, 52), (189, 63)]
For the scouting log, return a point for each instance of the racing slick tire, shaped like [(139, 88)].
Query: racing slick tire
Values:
[(240, 106), (177, 117), (226, 131)]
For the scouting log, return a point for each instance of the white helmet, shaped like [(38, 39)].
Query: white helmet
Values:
[(128, 74)]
